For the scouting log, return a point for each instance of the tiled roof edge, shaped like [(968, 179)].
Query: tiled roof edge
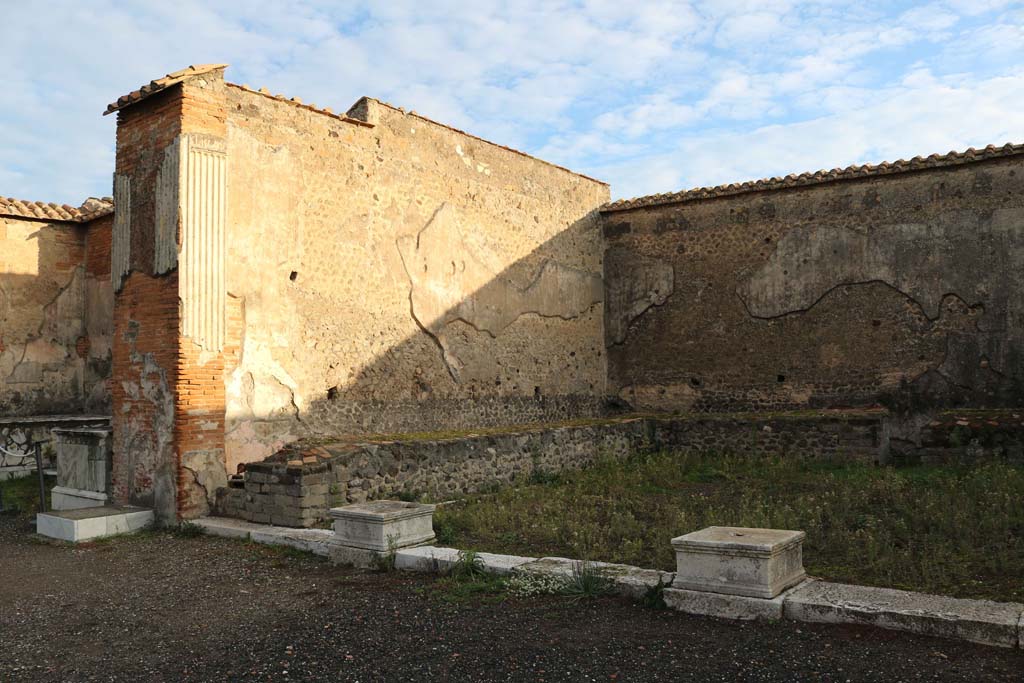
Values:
[(918, 163), (299, 103), (160, 84), (476, 137), (90, 210)]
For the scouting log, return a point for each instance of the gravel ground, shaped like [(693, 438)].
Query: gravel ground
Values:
[(159, 607)]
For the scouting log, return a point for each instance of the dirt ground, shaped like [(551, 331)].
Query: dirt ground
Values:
[(160, 607)]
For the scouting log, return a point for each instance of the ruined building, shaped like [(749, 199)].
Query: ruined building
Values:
[(268, 270)]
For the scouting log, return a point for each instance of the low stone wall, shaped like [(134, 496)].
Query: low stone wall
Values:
[(849, 435), (18, 433), (960, 436), (299, 484)]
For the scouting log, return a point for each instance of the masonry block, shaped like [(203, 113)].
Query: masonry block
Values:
[(758, 563), (383, 525)]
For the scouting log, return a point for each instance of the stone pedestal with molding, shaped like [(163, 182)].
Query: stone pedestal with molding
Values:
[(83, 468), (755, 563), (365, 534)]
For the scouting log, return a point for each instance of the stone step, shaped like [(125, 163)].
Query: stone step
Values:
[(87, 524)]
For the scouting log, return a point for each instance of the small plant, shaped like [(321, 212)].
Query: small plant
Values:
[(408, 496), (445, 531), (385, 562), (654, 597), (527, 585), (587, 581), (189, 530), (468, 566)]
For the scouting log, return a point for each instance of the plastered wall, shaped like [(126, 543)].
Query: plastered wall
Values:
[(400, 276), (902, 289), (55, 317)]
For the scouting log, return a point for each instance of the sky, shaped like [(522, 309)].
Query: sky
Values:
[(649, 96)]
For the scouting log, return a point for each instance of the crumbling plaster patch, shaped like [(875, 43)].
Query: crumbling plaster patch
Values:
[(205, 473), (639, 284), (41, 320), (969, 255), (450, 282), (145, 466)]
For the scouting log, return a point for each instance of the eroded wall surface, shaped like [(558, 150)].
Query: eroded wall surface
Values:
[(55, 317), (401, 277), (904, 289)]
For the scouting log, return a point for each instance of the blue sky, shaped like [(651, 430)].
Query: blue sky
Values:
[(649, 96)]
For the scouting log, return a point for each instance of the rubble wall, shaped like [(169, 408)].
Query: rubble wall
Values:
[(904, 289), (55, 317), (393, 274)]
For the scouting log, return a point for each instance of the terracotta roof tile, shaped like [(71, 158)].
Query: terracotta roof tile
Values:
[(161, 84), (298, 103), (91, 209), (850, 172)]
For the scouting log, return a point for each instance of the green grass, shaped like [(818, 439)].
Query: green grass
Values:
[(949, 530), (22, 494)]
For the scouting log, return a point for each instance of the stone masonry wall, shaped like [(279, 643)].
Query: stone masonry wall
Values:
[(392, 274), (905, 289), (55, 317), (297, 486)]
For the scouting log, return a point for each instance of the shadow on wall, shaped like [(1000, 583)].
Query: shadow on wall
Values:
[(521, 345), (49, 363)]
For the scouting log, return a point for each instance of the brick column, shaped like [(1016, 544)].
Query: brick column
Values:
[(167, 269)]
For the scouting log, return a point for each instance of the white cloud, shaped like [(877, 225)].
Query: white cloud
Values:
[(923, 115), (647, 95)]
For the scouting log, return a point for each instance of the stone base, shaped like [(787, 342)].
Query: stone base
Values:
[(631, 582), (361, 558), (430, 558), (64, 498), (979, 621), (316, 541), (726, 606), (226, 527), (86, 524)]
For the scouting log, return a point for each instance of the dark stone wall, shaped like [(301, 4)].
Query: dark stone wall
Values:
[(299, 484), (904, 289)]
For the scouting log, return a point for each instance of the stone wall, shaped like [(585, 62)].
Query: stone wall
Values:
[(298, 485), (387, 273), (901, 288), (55, 316)]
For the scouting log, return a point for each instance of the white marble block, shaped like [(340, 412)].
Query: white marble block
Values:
[(383, 525), (83, 468), (757, 563)]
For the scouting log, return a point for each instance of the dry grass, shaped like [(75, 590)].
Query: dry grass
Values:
[(951, 530)]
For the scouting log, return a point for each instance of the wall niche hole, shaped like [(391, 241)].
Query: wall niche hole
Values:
[(695, 381), (780, 378), (294, 275), (332, 394)]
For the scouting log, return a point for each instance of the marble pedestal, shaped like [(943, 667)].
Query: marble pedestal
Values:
[(83, 468), (756, 563), (383, 524)]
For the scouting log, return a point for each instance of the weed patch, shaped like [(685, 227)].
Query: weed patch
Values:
[(954, 530)]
